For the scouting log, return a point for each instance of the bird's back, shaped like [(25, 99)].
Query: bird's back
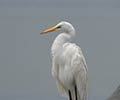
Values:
[(71, 52)]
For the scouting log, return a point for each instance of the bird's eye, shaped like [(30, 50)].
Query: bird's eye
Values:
[(59, 26)]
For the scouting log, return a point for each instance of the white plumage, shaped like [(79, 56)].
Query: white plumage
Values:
[(69, 66)]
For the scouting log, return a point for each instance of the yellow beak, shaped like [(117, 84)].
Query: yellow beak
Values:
[(50, 30)]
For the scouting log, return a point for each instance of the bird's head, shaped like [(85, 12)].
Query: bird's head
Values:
[(63, 26)]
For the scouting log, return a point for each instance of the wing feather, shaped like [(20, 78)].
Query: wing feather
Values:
[(77, 62), (80, 69)]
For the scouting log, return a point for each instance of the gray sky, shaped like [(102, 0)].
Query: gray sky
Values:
[(25, 60)]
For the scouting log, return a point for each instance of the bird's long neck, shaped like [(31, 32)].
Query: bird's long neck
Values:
[(59, 41)]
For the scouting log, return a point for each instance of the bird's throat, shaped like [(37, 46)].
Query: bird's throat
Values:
[(58, 43)]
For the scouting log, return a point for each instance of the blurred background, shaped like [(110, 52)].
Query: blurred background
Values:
[(25, 59)]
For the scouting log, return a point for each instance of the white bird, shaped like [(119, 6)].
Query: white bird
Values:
[(69, 66)]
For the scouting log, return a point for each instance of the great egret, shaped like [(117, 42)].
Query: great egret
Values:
[(69, 66)]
